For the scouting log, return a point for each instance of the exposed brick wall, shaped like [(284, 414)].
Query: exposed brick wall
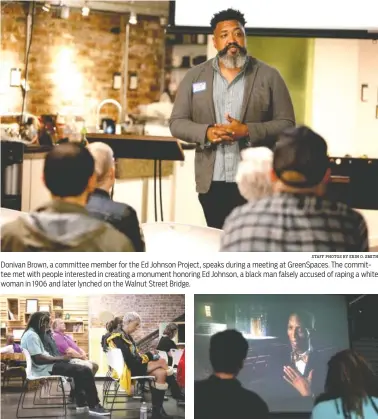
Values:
[(153, 309), (13, 36), (72, 61)]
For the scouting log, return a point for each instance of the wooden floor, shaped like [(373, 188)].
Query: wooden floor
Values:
[(10, 397)]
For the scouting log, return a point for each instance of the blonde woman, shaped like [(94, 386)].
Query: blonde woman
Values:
[(137, 364)]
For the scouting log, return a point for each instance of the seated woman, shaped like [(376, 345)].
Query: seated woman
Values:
[(351, 389), (114, 325), (10, 346), (137, 364), (166, 342)]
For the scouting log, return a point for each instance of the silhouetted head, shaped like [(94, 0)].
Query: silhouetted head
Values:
[(300, 161), (228, 350), (69, 171)]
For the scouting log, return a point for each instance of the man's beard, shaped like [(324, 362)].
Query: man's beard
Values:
[(233, 61)]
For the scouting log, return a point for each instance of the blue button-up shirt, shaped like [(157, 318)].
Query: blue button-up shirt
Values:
[(228, 98)]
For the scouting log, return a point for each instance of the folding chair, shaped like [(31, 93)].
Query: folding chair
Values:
[(176, 356), (41, 381), (163, 355), (117, 364)]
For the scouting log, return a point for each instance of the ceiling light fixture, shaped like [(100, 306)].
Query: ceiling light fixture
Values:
[(85, 10), (133, 20), (64, 12), (46, 7)]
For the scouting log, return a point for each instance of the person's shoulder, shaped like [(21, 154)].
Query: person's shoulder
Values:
[(102, 236), (194, 72), (12, 228), (265, 68), (250, 209), (29, 336), (124, 209), (344, 209), (201, 385), (324, 408), (252, 398)]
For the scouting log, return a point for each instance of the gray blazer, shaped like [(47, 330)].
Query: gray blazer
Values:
[(267, 109)]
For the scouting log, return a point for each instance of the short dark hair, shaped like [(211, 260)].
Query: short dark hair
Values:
[(300, 157), (229, 14), (68, 168), (307, 319), (228, 350)]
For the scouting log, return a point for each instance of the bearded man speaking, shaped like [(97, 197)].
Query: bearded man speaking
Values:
[(225, 104)]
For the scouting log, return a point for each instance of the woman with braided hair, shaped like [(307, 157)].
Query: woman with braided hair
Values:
[(351, 389), (45, 364)]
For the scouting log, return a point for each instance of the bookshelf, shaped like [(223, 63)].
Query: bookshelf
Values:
[(13, 307), (73, 310)]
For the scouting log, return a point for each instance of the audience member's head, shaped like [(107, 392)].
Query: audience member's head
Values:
[(39, 322), (114, 325), (69, 173), (9, 339), (228, 350), (59, 326), (170, 330), (300, 327), (254, 173), (350, 378), (131, 322), (300, 162), (104, 165)]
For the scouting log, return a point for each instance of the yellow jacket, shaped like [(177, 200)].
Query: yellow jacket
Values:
[(125, 379)]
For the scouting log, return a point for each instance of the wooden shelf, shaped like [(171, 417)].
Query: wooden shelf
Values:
[(13, 306), (77, 307)]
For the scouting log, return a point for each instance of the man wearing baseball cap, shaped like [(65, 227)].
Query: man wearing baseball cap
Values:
[(297, 217)]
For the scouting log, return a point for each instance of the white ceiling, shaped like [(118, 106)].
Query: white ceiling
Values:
[(152, 8)]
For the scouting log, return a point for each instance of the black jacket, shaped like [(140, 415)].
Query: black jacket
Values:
[(122, 216), (136, 362), (225, 399), (166, 344)]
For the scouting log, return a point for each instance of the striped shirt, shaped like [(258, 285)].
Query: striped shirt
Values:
[(228, 98)]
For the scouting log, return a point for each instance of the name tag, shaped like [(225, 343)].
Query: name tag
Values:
[(199, 87)]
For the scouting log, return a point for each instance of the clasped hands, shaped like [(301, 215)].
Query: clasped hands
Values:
[(227, 132)]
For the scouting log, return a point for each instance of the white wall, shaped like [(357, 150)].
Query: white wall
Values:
[(348, 124), (335, 88), (367, 123), (340, 68)]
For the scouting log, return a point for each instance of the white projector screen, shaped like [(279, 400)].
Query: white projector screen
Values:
[(361, 15), (266, 322)]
